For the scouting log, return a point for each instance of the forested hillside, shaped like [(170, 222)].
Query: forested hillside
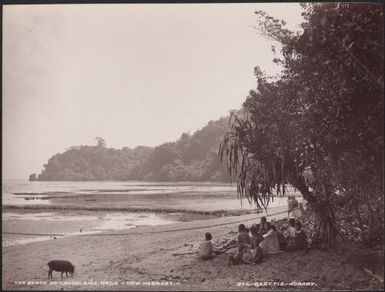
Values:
[(82, 163), (191, 158)]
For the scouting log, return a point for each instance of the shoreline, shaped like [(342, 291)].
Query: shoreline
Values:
[(165, 253), (45, 223), (218, 213), (42, 224)]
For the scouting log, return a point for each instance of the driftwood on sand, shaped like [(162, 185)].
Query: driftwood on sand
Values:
[(178, 254)]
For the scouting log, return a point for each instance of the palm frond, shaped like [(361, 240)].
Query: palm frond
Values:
[(258, 175)]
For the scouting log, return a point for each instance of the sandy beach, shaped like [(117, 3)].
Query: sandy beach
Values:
[(144, 143), (162, 258)]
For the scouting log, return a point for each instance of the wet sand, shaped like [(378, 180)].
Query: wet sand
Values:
[(129, 259), (20, 226)]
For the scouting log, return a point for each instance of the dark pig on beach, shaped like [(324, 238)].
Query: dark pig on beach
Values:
[(60, 266)]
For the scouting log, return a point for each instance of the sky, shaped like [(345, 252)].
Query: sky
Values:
[(132, 74)]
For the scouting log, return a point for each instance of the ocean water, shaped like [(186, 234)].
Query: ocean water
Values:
[(55, 209), (187, 196)]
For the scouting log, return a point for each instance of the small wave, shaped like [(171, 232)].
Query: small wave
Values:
[(218, 213), (41, 194)]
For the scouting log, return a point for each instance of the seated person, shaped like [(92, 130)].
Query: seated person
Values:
[(291, 230), (270, 243), (290, 234), (300, 238), (256, 251), (243, 245), (300, 241), (262, 229), (282, 241), (281, 238), (255, 237), (206, 250), (275, 229)]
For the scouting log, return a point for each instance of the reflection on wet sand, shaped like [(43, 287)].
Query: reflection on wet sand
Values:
[(21, 228), (71, 208)]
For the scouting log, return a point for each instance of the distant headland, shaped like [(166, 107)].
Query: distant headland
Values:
[(191, 158)]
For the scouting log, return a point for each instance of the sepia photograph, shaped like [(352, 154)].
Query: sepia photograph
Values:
[(193, 146)]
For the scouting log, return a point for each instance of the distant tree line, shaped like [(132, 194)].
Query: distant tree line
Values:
[(191, 158)]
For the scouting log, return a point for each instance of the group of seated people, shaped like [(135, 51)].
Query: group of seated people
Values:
[(259, 241)]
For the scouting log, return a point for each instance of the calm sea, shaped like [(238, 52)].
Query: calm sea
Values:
[(69, 208)]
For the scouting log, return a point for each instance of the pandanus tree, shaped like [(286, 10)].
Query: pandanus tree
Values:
[(266, 150), (319, 127)]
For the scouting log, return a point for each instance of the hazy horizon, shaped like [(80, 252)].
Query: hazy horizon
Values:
[(133, 74)]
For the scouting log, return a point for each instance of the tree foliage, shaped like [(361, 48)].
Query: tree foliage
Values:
[(84, 163), (101, 142), (319, 127), (32, 177), (191, 158)]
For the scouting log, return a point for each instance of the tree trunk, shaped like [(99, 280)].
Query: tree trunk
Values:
[(327, 230), (371, 222)]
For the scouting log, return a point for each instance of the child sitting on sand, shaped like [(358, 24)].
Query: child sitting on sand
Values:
[(299, 241), (206, 250), (262, 229), (256, 239), (291, 230), (255, 236), (300, 238), (243, 245), (243, 239), (290, 234)]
